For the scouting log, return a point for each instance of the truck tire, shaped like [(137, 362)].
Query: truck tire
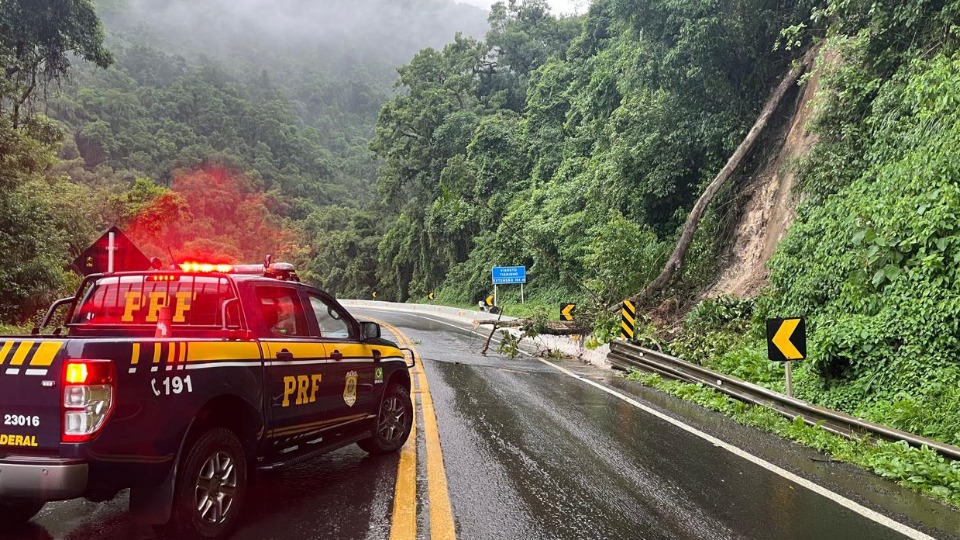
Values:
[(211, 486), (15, 513), (393, 422)]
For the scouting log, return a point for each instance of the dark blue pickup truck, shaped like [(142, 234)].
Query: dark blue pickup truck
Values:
[(180, 384)]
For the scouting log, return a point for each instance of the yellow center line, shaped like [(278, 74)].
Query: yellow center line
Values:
[(404, 523), (441, 512)]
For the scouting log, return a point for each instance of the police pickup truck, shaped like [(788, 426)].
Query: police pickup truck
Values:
[(179, 385)]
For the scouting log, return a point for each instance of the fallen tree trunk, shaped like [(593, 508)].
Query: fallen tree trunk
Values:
[(553, 328), (696, 215)]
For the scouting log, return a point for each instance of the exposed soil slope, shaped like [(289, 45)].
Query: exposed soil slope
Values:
[(767, 203)]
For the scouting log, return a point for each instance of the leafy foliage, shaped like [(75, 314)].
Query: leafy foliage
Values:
[(194, 142), (871, 261), (38, 38), (43, 220), (875, 265), (510, 340), (571, 145)]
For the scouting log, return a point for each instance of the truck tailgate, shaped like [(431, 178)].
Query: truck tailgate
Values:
[(30, 414)]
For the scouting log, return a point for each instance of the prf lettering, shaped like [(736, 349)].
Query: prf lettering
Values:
[(134, 302), (305, 386), (18, 440)]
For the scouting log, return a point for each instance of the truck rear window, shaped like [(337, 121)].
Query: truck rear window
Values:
[(138, 300)]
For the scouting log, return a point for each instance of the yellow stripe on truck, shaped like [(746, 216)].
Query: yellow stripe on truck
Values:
[(46, 353), (323, 349), (207, 351), (353, 350), (21, 353), (299, 350), (5, 350)]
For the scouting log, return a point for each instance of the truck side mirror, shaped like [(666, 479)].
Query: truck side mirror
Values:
[(369, 330)]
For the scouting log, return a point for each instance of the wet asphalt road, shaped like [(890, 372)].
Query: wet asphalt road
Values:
[(531, 452)]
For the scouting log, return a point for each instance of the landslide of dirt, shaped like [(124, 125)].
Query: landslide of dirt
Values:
[(767, 202)]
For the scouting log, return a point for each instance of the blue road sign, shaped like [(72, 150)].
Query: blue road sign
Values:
[(506, 275)]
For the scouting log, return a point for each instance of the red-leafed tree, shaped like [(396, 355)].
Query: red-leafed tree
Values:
[(212, 215)]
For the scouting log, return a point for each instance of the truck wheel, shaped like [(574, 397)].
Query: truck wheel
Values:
[(210, 488), (16, 513), (393, 422)]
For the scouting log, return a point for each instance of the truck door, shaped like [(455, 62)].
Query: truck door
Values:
[(294, 365), (348, 385)]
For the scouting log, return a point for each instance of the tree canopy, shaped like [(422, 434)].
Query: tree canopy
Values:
[(37, 40)]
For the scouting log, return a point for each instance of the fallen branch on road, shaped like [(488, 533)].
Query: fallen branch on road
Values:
[(492, 330), (553, 328)]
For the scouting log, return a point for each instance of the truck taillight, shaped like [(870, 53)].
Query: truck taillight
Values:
[(88, 398)]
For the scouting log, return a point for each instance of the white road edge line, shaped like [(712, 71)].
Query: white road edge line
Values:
[(854, 506)]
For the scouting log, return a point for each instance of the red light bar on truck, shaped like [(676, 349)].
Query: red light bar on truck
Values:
[(206, 268)]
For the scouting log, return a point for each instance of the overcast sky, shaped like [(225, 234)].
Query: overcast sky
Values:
[(558, 7)]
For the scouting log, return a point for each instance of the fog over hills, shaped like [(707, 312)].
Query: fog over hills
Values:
[(385, 32), (286, 91)]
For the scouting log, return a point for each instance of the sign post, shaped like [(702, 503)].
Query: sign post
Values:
[(111, 248), (789, 371), (786, 342), (508, 275)]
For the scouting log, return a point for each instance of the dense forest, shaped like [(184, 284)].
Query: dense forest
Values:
[(407, 147)]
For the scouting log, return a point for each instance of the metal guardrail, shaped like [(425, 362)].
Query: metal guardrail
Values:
[(626, 357)]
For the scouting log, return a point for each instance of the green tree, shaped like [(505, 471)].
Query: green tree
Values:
[(418, 134), (45, 223), (37, 40), (344, 244), (523, 36)]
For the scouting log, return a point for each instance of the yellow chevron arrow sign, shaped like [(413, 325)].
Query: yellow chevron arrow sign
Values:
[(786, 339), (566, 311)]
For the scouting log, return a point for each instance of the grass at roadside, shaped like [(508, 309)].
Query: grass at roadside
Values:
[(9, 330), (920, 469)]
